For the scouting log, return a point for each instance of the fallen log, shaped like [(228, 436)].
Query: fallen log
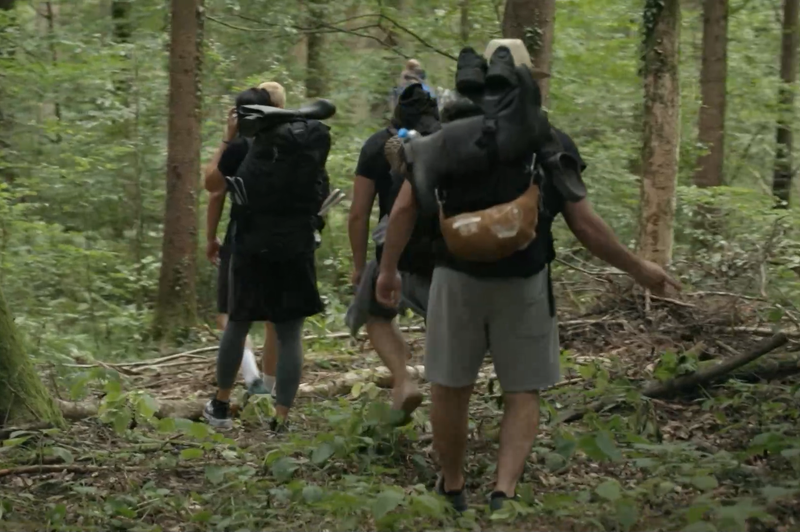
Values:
[(193, 408), (187, 408), (665, 389)]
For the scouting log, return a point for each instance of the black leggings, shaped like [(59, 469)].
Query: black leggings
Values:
[(290, 357)]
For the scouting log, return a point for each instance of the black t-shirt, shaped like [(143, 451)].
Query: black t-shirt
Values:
[(232, 156), (540, 252), (373, 165)]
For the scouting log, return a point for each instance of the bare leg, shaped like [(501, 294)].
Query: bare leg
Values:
[(449, 419), (517, 433), (270, 356), (222, 321), (393, 351)]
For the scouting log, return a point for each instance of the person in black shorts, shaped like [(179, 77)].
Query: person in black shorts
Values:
[(416, 109)]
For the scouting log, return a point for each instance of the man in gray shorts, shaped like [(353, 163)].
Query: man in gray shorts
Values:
[(504, 307), (415, 109)]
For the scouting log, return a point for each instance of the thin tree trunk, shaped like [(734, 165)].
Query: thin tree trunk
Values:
[(176, 307), (51, 28), (315, 46), (6, 120), (782, 175), (121, 34), (713, 78), (661, 129), (464, 6), (533, 21), (23, 397)]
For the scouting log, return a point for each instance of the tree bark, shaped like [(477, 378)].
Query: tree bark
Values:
[(713, 78), (661, 129), (6, 119), (782, 175), (533, 21), (464, 7), (121, 33), (176, 305), (315, 46), (23, 397)]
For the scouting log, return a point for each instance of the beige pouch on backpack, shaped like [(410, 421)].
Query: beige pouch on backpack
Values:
[(494, 233)]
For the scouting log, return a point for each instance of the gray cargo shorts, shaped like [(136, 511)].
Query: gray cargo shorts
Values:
[(414, 296), (509, 318)]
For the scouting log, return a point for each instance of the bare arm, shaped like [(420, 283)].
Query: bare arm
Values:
[(214, 182), (401, 225), (601, 241), (595, 234), (358, 222), (215, 185)]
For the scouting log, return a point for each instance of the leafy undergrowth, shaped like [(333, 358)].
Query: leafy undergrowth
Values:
[(723, 458)]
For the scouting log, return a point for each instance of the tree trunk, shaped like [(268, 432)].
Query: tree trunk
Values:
[(315, 46), (121, 34), (713, 77), (6, 120), (661, 129), (464, 6), (176, 306), (533, 21), (23, 397), (782, 176), (50, 14)]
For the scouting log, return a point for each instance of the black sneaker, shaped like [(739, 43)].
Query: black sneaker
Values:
[(498, 498), (278, 425), (457, 498), (218, 414)]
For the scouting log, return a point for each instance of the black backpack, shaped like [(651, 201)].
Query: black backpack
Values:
[(280, 186)]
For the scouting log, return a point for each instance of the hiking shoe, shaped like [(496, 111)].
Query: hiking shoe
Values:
[(498, 498), (457, 498), (278, 425), (218, 414), (257, 387)]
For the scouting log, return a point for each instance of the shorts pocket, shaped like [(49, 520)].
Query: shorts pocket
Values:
[(534, 317)]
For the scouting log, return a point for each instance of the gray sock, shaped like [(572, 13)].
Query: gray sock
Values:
[(290, 360), (231, 351)]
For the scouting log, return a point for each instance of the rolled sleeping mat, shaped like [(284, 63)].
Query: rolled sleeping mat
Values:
[(254, 118)]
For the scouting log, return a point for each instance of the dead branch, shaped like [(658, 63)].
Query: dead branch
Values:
[(7, 432), (672, 386), (61, 468), (765, 331), (767, 370), (668, 388)]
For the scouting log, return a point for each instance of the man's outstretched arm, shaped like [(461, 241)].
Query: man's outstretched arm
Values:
[(595, 234), (398, 233)]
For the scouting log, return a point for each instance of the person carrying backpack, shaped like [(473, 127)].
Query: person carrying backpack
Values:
[(225, 162), (415, 110), (277, 196), (411, 74), (498, 175)]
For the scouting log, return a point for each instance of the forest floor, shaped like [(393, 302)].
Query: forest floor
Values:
[(723, 456)]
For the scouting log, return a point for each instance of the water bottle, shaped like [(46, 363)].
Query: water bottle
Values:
[(407, 135)]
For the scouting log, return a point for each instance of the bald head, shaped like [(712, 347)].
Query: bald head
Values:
[(276, 93)]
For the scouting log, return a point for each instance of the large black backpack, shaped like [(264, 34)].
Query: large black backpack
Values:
[(280, 186)]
